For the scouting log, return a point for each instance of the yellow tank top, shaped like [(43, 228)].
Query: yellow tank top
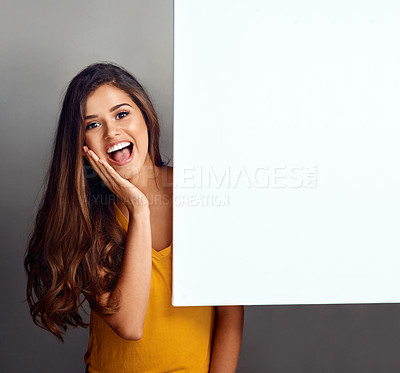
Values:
[(175, 339)]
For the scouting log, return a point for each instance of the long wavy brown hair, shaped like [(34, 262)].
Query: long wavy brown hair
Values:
[(76, 238)]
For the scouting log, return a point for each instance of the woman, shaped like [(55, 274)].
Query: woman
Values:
[(104, 230)]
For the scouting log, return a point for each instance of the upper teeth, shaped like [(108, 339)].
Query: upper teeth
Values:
[(119, 146)]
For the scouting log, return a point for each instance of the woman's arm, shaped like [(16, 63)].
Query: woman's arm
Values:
[(133, 287), (132, 290), (227, 339)]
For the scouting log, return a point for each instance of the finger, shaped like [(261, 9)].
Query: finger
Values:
[(121, 187), (91, 157), (93, 160), (114, 181), (109, 170)]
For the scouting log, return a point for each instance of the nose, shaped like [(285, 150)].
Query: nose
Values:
[(111, 130)]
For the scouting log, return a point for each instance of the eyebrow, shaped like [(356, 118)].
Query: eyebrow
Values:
[(111, 110)]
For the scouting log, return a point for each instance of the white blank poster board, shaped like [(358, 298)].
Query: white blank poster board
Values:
[(286, 152)]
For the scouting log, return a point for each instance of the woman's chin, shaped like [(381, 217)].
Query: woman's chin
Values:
[(129, 172)]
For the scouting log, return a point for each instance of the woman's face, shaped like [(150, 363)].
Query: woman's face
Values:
[(116, 130)]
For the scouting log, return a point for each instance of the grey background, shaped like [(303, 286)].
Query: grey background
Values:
[(43, 44)]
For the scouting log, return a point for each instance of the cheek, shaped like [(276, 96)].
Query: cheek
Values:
[(141, 133), (89, 141), (86, 142), (146, 139)]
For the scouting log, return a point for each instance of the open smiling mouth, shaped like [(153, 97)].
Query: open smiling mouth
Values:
[(122, 154)]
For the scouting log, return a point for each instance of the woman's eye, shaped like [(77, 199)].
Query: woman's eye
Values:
[(122, 114), (91, 125)]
